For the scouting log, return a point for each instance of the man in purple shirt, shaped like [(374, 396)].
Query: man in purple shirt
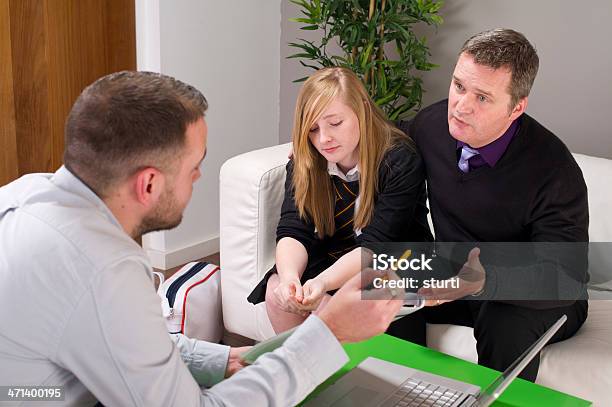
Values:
[(496, 178)]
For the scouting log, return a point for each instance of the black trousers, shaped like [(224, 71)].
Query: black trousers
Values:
[(502, 331)]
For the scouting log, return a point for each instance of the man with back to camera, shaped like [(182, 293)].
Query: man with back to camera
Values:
[(77, 302), (494, 174)]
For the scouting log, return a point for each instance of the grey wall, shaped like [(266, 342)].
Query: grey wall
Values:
[(290, 69), (230, 51), (572, 94)]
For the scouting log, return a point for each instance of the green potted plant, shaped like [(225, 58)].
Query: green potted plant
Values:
[(377, 43)]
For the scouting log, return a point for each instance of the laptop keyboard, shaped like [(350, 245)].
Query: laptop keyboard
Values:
[(419, 393)]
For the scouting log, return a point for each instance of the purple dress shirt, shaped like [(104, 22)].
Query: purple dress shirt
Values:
[(492, 152)]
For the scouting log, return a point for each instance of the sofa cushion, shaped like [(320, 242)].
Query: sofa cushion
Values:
[(597, 173), (585, 358), (251, 193)]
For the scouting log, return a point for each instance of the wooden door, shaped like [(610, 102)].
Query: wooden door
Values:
[(49, 51)]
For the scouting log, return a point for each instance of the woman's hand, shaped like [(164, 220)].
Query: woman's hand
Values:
[(289, 295), (314, 291)]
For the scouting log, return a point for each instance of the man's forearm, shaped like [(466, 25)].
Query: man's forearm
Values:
[(539, 286), (287, 375), (206, 361)]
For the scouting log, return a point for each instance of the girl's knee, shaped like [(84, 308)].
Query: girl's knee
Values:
[(271, 300)]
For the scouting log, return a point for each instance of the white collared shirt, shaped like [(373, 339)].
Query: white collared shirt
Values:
[(350, 176), (79, 310)]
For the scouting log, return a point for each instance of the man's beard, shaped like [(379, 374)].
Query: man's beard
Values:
[(166, 215)]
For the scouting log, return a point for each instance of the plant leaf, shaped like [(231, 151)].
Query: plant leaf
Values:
[(392, 81)]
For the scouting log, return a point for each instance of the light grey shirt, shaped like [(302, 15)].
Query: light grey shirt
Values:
[(78, 309)]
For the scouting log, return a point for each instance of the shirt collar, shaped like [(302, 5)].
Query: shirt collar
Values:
[(492, 152), (350, 176), (68, 181)]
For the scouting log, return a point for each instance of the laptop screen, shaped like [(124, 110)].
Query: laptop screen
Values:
[(493, 391)]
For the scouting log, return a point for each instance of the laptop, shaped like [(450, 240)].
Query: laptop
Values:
[(375, 382)]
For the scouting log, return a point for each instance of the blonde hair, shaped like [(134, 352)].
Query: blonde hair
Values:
[(314, 196)]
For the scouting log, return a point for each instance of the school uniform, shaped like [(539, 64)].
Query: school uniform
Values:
[(400, 214)]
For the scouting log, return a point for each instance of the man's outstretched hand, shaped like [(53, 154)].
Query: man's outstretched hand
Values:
[(352, 318), (471, 280)]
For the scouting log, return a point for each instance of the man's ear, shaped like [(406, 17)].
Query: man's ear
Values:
[(148, 186), (519, 109)]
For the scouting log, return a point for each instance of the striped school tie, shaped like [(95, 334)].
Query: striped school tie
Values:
[(344, 212)]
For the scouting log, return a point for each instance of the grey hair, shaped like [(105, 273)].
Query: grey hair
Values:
[(503, 47)]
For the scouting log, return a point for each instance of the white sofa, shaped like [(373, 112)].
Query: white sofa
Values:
[(252, 187)]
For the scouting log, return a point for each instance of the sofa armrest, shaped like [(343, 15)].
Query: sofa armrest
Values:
[(251, 194)]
